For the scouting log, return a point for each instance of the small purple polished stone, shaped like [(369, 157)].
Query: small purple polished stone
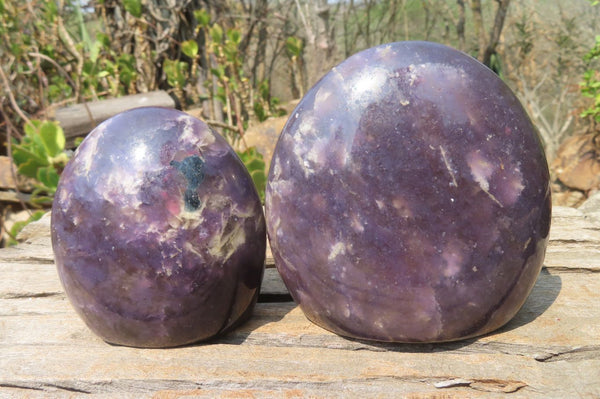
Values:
[(157, 230), (408, 198)]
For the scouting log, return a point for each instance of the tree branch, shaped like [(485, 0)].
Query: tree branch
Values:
[(496, 31)]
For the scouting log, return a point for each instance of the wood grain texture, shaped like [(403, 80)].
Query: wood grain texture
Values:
[(550, 349)]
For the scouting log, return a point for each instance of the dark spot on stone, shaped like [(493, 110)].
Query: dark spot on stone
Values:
[(192, 202), (192, 168)]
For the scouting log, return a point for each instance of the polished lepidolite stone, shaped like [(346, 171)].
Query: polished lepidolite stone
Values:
[(157, 230), (408, 197)]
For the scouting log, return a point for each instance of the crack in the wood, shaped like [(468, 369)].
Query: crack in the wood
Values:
[(565, 241), (468, 346), (68, 388), (18, 386), (484, 385), (26, 295), (133, 386), (580, 353), (27, 259), (44, 387), (565, 269)]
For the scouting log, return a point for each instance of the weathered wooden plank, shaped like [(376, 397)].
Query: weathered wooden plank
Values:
[(6, 173), (15, 197), (104, 369), (79, 119), (557, 325), (556, 320), (550, 349), (574, 241)]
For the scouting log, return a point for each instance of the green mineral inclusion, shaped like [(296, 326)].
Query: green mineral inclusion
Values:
[(192, 168)]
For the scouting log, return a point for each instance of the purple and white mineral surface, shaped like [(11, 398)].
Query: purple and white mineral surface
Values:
[(408, 198), (158, 232)]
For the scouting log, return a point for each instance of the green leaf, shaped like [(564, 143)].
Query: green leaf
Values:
[(260, 112), (32, 129), (235, 36), (134, 7), (126, 76), (175, 71), (42, 200), (230, 50), (216, 33), (49, 178), (219, 71), (29, 168), (190, 48), (51, 11), (256, 164), (18, 226), (293, 46), (260, 182), (88, 68), (23, 155), (103, 39), (202, 17), (253, 160), (95, 50), (53, 138)]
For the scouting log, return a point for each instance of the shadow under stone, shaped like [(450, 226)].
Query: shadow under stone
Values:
[(542, 296)]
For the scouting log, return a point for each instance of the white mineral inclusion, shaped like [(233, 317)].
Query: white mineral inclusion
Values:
[(189, 135), (386, 52), (366, 87), (310, 145), (454, 257), (225, 245), (481, 169), (514, 186), (337, 249), (140, 152)]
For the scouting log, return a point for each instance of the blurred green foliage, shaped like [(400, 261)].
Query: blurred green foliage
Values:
[(256, 167), (41, 155), (590, 86)]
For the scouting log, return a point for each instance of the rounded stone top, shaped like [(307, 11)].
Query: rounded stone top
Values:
[(158, 231), (408, 197)]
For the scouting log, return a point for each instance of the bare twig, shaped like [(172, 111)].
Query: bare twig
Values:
[(310, 36), (67, 40), (11, 97), (9, 129), (71, 82), (222, 125)]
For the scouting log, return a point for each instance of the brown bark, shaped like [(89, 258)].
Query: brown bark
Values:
[(258, 66), (495, 31), (315, 17), (478, 26), (460, 25), (488, 41)]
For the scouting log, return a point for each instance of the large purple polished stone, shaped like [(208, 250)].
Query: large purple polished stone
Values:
[(157, 230), (408, 197)]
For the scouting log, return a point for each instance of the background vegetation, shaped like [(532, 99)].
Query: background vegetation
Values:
[(237, 61)]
